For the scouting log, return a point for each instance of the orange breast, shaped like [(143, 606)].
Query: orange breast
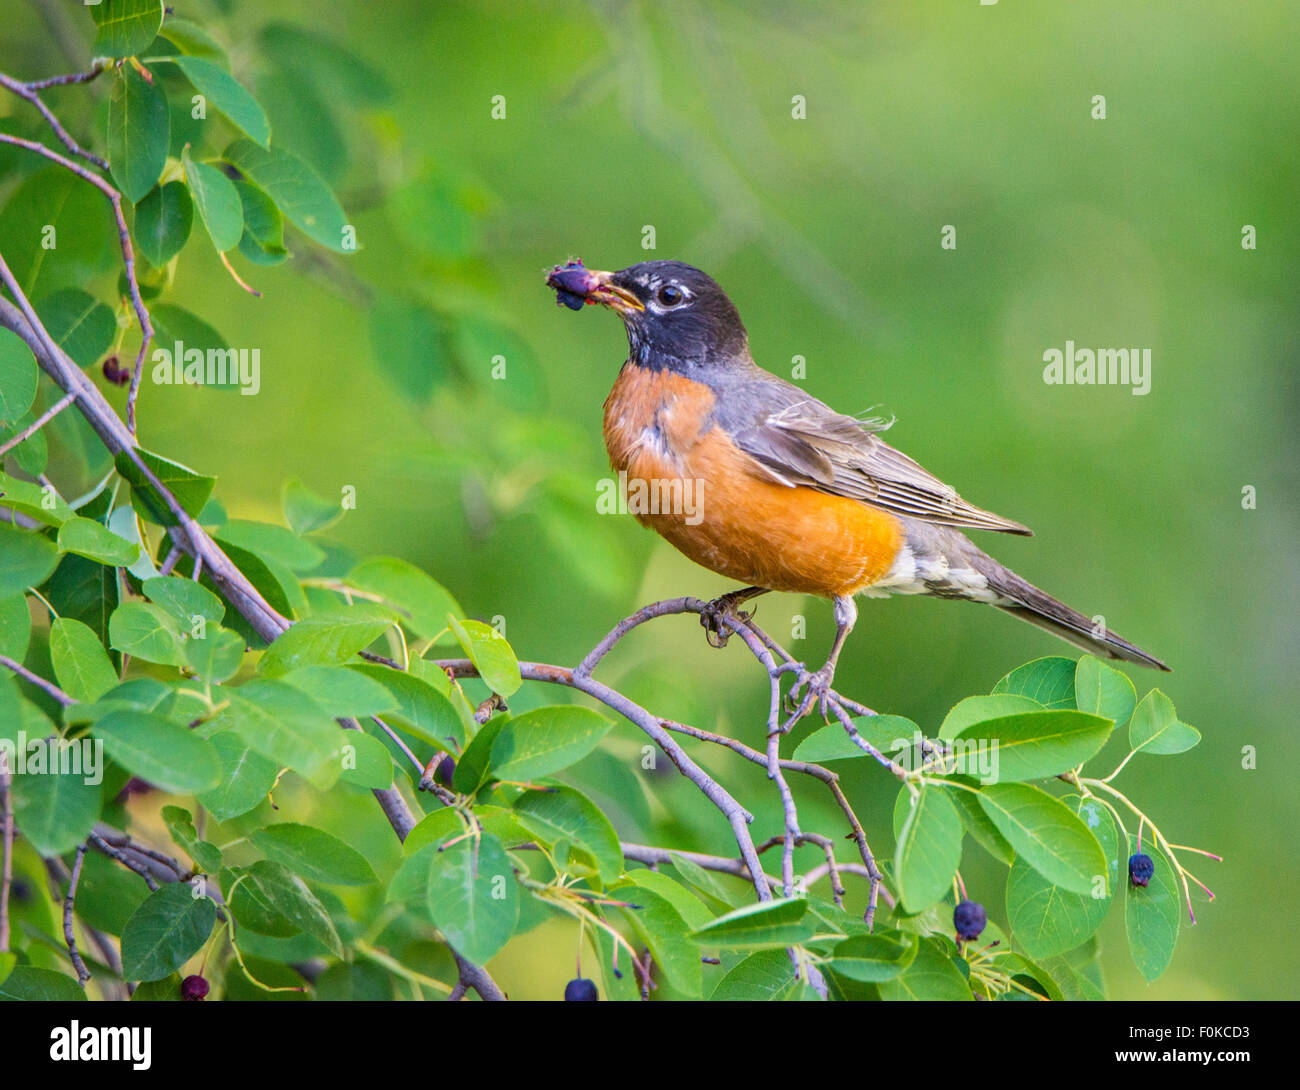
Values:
[(687, 480)]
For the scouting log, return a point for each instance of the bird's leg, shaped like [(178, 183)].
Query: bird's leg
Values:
[(815, 686), (725, 606)]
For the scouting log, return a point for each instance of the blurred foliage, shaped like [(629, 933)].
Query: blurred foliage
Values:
[(378, 365)]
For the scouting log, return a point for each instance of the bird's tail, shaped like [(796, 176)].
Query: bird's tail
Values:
[(1024, 600)]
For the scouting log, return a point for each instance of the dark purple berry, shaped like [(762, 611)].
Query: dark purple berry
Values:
[(194, 988), (1140, 869), (115, 372), (445, 768), (580, 990), (568, 299), (969, 919)]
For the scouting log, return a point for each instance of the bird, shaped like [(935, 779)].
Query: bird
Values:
[(787, 494)]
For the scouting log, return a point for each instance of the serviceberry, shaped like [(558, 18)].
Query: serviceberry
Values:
[(580, 990), (969, 919), (1140, 869)]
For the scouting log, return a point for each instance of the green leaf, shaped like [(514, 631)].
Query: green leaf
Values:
[(543, 741), (692, 910), (163, 221), (274, 543), (886, 732), (125, 27), (1045, 833), (423, 602), (184, 599), (81, 664), (282, 723), (228, 95), (139, 132), (325, 642), (160, 752), (1152, 916), (190, 489), (287, 894), (27, 983), (420, 706), (981, 828), (1103, 690), (146, 631), (90, 539), (342, 692), (473, 898), (660, 927), (56, 811), (217, 655), (1048, 921), (932, 976), (561, 812), (1155, 727), (874, 958), (18, 378), (246, 778), (108, 893), (192, 39), (929, 848), (305, 511), (976, 709), (165, 932), (766, 975), (472, 765), (79, 323), (217, 201), (313, 853), (776, 923), (1030, 745), (1049, 681), (295, 187), (180, 823), (43, 504), (263, 239), (53, 207), (489, 652), (26, 559), (366, 762), (15, 626)]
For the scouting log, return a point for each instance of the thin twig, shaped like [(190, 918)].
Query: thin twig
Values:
[(69, 904), (128, 259), (63, 81), (35, 679), (28, 91), (37, 424)]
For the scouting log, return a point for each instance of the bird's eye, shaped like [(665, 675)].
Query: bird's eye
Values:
[(670, 296)]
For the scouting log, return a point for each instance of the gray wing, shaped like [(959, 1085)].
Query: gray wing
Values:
[(798, 440)]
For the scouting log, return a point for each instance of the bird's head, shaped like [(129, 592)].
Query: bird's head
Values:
[(671, 310)]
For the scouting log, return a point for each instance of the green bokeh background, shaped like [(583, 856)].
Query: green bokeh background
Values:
[(826, 233)]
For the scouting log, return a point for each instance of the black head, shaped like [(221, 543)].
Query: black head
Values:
[(674, 314)]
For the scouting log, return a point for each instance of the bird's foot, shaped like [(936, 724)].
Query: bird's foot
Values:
[(808, 691), (718, 612)]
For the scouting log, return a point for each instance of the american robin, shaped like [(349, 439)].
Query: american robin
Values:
[(774, 488)]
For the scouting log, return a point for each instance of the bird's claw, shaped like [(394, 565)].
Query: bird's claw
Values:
[(714, 618), (808, 691)]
